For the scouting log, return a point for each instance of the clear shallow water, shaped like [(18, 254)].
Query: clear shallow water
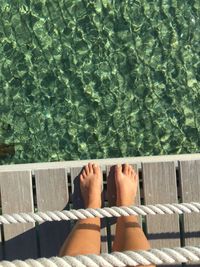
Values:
[(83, 80)]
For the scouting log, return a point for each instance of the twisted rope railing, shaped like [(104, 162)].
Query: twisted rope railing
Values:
[(117, 259), (101, 213)]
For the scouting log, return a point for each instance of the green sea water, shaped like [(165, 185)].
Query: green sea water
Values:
[(98, 79)]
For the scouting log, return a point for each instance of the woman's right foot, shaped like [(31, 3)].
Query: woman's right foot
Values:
[(126, 180), (91, 185)]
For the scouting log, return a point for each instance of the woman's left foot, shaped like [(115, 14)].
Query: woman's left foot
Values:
[(91, 185)]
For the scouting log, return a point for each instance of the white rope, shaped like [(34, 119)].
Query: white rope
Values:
[(101, 213), (117, 259)]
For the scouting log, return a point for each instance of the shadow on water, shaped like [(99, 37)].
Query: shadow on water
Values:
[(7, 150)]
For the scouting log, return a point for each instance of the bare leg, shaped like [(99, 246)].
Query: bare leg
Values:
[(85, 237), (129, 235)]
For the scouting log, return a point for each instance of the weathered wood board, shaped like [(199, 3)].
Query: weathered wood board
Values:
[(52, 194), (160, 186), (159, 181), (17, 196), (190, 192)]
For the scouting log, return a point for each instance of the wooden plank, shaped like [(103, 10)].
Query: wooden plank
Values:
[(78, 203), (111, 196), (190, 185), (159, 182), (52, 194), (17, 196)]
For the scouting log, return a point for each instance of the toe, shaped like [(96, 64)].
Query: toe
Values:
[(96, 169), (126, 169), (136, 177), (134, 174), (81, 177), (87, 170), (129, 169), (118, 169), (90, 167), (84, 174)]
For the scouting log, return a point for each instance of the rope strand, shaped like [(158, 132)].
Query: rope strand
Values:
[(117, 259), (100, 213)]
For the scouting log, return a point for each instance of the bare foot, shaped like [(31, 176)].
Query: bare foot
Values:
[(90, 184), (126, 180)]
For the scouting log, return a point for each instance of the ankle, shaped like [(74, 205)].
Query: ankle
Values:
[(93, 205), (125, 202)]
